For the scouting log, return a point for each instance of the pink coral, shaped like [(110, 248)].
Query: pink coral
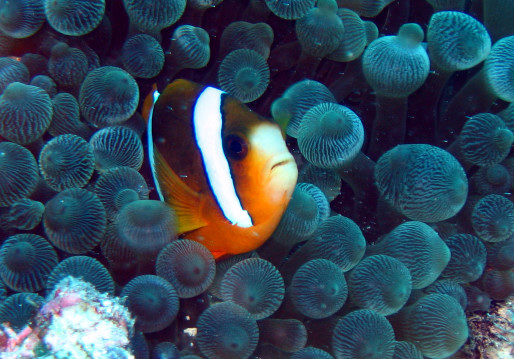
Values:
[(76, 321)]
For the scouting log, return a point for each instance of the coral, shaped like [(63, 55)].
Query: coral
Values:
[(75, 321), (492, 335)]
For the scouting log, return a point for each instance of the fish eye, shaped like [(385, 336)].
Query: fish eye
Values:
[(235, 147)]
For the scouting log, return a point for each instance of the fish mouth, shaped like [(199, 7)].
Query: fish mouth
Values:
[(281, 178), (281, 161)]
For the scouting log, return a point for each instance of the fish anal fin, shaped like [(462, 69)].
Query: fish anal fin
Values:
[(219, 255), (186, 202)]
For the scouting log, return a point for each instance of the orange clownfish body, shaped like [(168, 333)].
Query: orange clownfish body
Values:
[(224, 169)]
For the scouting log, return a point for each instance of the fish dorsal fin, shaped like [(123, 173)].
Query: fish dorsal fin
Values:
[(186, 202), (148, 104)]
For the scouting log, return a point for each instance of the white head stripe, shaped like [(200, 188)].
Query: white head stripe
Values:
[(207, 123), (149, 137)]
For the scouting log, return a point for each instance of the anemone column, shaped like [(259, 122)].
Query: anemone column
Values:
[(394, 66), (492, 82), (456, 42)]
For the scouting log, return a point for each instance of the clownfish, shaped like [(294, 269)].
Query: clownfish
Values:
[(224, 169)]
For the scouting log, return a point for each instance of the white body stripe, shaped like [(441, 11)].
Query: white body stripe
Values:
[(207, 123), (149, 137)]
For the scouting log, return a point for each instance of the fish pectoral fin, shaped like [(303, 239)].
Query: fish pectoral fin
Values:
[(185, 201)]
